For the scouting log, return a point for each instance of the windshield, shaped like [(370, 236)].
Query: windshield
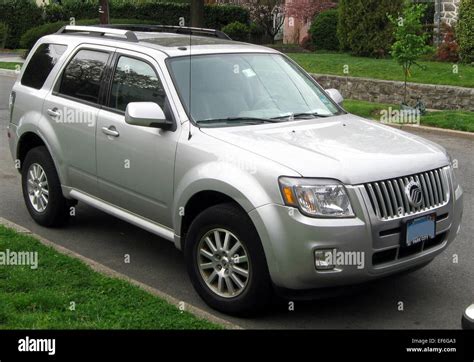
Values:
[(242, 88)]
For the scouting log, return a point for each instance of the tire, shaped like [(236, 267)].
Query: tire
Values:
[(55, 211), (228, 219)]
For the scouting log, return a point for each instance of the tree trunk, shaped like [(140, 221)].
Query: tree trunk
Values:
[(197, 13), (104, 12)]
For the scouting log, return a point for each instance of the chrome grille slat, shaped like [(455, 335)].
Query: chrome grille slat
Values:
[(381, 203), (426, 195), (389, 200), (440, 188), (430, 190), (435, 189)]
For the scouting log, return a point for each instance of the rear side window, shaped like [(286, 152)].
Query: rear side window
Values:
[(82, 77), (41, 63), (135, 81)]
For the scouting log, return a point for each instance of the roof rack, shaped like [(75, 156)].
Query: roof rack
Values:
[(169, 29), (99, 31)]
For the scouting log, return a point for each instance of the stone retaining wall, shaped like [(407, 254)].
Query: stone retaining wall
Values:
[(383, 91)]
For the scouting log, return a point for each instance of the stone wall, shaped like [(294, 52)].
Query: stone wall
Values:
[(372, 90), (449, 11)]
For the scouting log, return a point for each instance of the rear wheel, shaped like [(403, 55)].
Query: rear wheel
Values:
[(42, 189), (226, 262)]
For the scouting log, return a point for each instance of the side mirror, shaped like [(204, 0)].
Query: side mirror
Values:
[(146, 114), (468, 318), (335, 95)]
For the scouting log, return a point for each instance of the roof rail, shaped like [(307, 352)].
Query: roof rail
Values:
[(99, 31), (169, 29)]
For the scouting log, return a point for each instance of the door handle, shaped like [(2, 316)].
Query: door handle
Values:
[(111, 131), (53, 112)]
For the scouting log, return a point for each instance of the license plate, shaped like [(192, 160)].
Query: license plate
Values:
[(420, 229)]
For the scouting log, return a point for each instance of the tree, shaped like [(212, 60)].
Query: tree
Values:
[(104, 12), (410, 41), (305, 10), (268, 14), (197, 13), (465, 31), (363, 27)]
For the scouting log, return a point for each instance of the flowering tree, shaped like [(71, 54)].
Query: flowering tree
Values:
[(268, 14), (305, 10)]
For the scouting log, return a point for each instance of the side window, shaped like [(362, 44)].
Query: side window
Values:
[(41, 64), (135, 81), (82, 77)]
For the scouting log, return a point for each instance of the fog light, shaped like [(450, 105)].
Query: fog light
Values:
[(322, 257)]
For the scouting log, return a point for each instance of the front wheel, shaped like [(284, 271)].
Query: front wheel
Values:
[(226, 262)]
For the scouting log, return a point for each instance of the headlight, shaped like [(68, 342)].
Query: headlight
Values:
[(316, 197)]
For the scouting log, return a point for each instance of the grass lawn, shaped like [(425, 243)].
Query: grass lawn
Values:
[(41, 298), (457, 120), (333, 63), (9, 65)]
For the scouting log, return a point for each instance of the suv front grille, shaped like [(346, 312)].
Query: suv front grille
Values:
[(389, 200)]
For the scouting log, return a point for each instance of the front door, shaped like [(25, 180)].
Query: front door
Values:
[(135, 165)]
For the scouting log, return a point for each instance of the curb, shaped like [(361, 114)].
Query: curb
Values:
[(100, 268), (8, 72), (434, 130)]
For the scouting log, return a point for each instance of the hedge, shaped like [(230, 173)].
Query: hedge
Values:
[(19, 16), (465, 31), (363, 26), (237, 31), (323, 30), (22, 15), (215, 16), (29, 38)]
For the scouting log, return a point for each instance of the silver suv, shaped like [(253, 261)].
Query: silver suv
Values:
[(232, 152)]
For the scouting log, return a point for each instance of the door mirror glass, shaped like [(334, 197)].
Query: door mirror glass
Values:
[(146, 114)]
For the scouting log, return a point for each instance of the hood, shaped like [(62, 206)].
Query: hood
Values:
[(347, 148)]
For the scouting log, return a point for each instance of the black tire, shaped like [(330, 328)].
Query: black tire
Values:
[(258, 291), (56, 212)]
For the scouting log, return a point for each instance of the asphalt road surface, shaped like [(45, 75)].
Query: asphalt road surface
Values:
[(433, 297)]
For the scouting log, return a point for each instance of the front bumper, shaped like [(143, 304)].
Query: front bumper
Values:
[(289, 240)]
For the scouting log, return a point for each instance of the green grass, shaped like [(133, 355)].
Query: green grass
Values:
[(9, 65), (40, 298), (388, 69), (456, 120)]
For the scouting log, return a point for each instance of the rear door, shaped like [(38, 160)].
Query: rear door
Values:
[(135, 165), (72, 108)]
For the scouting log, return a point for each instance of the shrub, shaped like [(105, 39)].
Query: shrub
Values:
[(237, 31), (307, 44), (465, 31), (323, 30), (19, 16), (448, 50), (363, 27)]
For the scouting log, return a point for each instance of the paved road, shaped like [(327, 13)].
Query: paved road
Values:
[(433, 297)]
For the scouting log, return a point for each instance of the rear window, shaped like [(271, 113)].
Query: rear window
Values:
[(82, 77), (41, 63)]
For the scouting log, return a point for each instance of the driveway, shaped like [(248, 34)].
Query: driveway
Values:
[(433, 297)]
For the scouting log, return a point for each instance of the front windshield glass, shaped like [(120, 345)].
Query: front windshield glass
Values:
[(239, 88)]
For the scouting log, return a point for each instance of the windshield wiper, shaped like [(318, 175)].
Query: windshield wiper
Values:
[(303, 115), (237, 119)]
